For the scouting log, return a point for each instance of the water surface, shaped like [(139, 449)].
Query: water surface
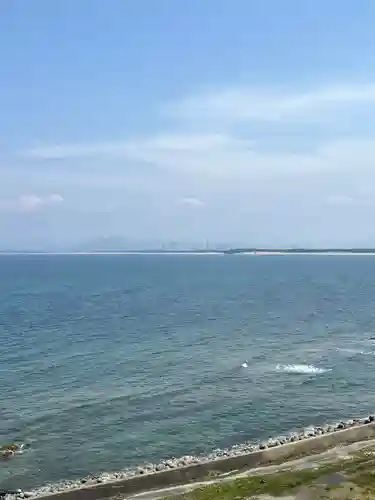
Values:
[(108, 361)]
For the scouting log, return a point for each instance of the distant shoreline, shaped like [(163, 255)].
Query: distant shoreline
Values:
[(255, 252)]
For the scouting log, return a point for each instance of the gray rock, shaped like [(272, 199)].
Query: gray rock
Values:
[(90, 482), (272, 443)]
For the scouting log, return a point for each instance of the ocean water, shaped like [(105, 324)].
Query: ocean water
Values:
[(111, 361)]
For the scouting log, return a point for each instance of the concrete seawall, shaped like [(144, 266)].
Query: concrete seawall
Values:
[(196, 472)]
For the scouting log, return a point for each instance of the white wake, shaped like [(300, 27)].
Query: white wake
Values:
[(309, 369)]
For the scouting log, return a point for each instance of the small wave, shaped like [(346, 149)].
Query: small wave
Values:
[(355, 352), (310, 369)]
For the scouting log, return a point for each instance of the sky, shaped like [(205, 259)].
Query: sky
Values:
[(239, 121)]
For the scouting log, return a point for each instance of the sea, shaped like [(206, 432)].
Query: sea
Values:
[(112, 361)]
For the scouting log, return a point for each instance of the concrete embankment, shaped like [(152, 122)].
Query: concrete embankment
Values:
[(199, 471)]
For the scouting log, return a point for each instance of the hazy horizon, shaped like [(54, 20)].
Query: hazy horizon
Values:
[(123, 245)]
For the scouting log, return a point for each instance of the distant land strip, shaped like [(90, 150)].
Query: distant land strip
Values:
[(299, 250), (229, 251)]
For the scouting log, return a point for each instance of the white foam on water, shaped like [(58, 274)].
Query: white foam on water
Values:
[(355, 351), (302, 369)]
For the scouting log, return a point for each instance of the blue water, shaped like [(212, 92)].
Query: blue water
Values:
[(110, 361)]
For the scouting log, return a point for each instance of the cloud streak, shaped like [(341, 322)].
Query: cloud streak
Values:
[(241, 103), (128, 147), (29, 203), (227, 154), (227, 157), (191, 202), (222, 108)]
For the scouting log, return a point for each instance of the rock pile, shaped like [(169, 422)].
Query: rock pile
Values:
[(175, 463)]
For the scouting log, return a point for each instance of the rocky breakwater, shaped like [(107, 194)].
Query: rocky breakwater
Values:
[(187, 460)]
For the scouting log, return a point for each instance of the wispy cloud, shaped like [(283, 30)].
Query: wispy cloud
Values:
[(340, 199), (128, 147), (240, 159), (355, 199), (29, 203), (241, 103), (191, 201), (222, 108), (228, 155), (77, 150)]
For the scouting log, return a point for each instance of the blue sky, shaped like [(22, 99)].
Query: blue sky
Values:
[(240, 121)]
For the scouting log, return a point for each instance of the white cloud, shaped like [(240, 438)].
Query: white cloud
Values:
[(223, 108), (63, 151), (126, 148), (28, 203), (208, 158), (255, 104), (182, 142), (357, 198), (54, 198), (192, 202), (340, 200), (231, 158), (227, 157)]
